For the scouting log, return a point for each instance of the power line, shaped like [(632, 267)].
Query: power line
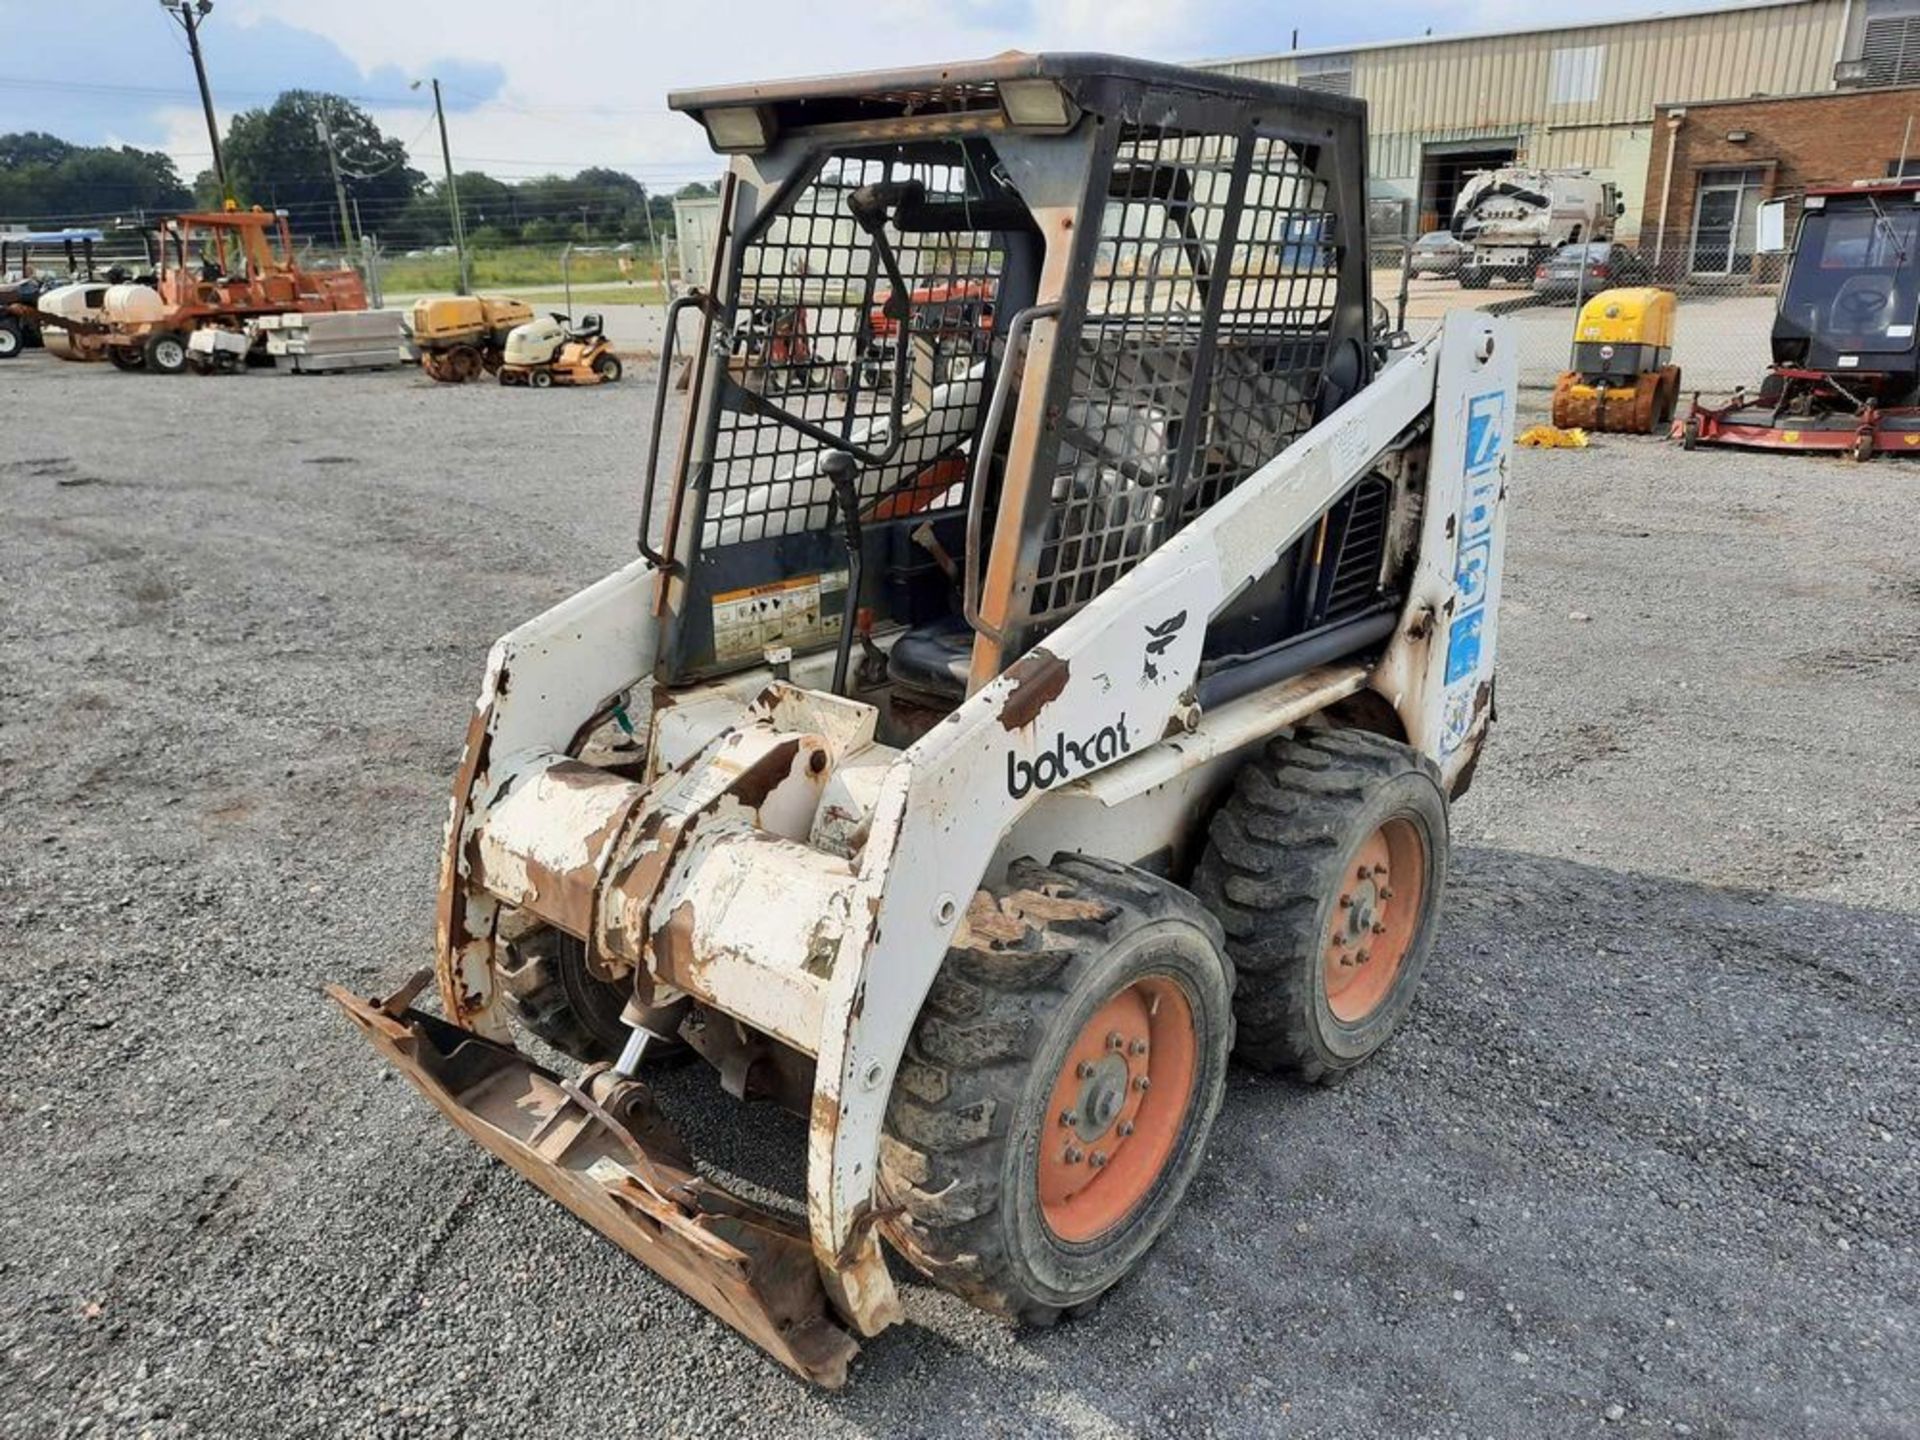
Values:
[(392, 102)]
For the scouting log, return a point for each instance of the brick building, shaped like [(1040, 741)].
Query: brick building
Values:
[(1579, 91), (1726, 156)]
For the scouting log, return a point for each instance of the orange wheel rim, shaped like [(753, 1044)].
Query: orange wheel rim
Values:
[(1117, 1109), (1374, 920)]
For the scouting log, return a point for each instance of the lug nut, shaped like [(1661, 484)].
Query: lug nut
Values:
[(1126, 1128), (1084, 1069), (1346, 902), (1074, 1155), (1366, 872), (1139, 1047), (1140, 1082), (1362, 957), (1066, 1117), (1099, 1159), (1115, 1040), (1385, 894), (1379, 928)]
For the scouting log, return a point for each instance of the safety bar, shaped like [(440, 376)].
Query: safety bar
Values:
[(692, 297), (970, 577)]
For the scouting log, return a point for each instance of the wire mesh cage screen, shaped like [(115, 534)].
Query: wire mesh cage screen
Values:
[(811, 337), (1208, 322)]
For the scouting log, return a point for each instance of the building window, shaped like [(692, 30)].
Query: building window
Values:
[(1724, 205), (1574, 75), (1328, 74), (1891, 47), (1907, 169)]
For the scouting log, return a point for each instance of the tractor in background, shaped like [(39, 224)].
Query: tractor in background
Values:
[(556, 351), (26, 277), (1846, 365), (218, 269)]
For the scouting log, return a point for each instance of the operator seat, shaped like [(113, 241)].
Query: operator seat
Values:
[(1863, 305), (933, 659)]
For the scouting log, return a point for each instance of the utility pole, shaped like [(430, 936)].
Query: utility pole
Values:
[(453, 190), (659, 260), (189, 13), (339, 185)]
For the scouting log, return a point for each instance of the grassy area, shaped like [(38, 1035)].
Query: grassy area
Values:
[(648, 293), (512, 269)]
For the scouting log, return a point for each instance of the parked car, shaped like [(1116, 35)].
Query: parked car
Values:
[(1607, 265), (1305, 245), (1439, 253)]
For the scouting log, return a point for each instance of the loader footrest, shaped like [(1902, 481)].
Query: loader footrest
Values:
[(599, 1147)]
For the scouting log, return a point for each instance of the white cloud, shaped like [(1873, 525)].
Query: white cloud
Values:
[(585, 81)]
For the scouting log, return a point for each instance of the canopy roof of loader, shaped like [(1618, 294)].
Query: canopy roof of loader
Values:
[(973, 85)]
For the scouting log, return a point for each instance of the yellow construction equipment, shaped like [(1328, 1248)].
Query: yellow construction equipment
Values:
[(459, 336), (1622, 378)]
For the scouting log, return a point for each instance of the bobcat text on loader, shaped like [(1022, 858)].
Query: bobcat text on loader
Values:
[(1016, 738), (1846, 365)]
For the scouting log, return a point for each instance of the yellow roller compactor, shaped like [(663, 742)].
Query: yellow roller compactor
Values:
[(1623, 377), (461, 337)]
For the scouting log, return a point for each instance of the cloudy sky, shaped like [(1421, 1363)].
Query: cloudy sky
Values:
[(534, 88)]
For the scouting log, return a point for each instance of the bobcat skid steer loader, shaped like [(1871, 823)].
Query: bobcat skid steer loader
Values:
[(974, 761)]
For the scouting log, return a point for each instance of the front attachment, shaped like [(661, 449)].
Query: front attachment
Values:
[(599, 1147)]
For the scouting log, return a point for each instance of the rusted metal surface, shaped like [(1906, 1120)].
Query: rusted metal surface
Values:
[(1643, 408), (802, 882), (464, 915), (1037, 678), (671, 538), (545, 842), (1054, 210), (1441, 656), (752, 1066), (706, 881), (228, 266), (541, 684), (600, 1149)]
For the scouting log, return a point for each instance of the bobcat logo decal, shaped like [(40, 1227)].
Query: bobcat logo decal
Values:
[(1160, 637)]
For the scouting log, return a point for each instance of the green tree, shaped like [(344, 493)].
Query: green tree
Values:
[(486, 204), (45, 180), (276, 158)]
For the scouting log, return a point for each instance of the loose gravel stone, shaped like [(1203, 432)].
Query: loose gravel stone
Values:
[(1667, 1034)]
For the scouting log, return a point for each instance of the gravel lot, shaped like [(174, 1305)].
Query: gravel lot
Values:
[(1643, 1161)]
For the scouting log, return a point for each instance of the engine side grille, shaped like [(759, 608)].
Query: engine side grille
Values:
[(1355, 580)]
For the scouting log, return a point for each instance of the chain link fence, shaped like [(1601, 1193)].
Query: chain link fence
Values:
[(1722, 325), (1723, 314), (632, 270)]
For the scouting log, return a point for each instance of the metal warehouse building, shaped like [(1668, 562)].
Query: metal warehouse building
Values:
[(1585, 93)]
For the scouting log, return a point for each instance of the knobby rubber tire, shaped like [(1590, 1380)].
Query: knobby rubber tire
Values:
[(971, 1105), (1277, 853), (556, 997)]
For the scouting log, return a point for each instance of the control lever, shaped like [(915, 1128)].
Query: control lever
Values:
[(842, 472)]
